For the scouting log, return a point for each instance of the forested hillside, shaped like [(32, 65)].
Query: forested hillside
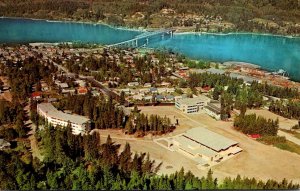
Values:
[(274, 16), (88, 163)]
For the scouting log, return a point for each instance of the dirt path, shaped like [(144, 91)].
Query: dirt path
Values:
[(289, 137), (31, 136)]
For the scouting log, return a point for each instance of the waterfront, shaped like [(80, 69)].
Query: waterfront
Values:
[(270, 52)]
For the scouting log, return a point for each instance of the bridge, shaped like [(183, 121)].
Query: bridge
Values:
[(143, 39)]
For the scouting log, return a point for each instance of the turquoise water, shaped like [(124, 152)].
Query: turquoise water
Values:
[(270, 52), (27, 30)]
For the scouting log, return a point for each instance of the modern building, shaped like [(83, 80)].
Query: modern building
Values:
[(204, 146), (192, 105), (79, 124), (213, 109)]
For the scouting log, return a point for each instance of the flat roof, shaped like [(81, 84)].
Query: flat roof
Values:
[(186, 144), (194, 101), (214, 106), (245, 78), (215, 71), (54, 113), (232, 63), (210, 139)]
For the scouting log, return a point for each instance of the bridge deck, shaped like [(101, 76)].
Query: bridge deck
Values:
[(142, 36)]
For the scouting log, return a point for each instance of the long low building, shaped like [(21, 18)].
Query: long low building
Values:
[(204, 146), (79, 124)]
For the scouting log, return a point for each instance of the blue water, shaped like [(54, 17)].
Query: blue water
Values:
[(270, 52), (27, 30)]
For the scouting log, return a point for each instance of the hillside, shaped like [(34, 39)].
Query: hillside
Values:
[(271, 16)]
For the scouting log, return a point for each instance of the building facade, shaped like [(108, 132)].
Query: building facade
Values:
[(192, 105), (213, 109), (79, 124), (204, 146)]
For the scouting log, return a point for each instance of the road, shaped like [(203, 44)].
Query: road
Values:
[(289, 137), (31, 135)]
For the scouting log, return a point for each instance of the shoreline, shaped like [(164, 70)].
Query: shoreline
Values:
[(158, 48), (224, 64), (78, 22), (235, 33), (142, 29)]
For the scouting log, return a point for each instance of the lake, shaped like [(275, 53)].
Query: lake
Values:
[(268, 51)]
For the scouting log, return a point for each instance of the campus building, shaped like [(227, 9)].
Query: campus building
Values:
[(213, 109), (204, 146), (192, 105), (79, 124)]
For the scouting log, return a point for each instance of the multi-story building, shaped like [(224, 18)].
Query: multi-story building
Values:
[(192, 105), (79, 124), (213, 109)]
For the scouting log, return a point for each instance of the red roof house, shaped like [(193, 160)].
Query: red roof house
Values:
[(36, 95)]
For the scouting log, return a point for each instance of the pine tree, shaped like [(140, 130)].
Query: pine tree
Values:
[(125, 159)]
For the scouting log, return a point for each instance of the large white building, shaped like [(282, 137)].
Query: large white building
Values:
[(192, 105), (79, 124), (204, 146)]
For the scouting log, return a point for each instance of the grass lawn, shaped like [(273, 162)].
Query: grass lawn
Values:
[(281, 143), (288, 146)]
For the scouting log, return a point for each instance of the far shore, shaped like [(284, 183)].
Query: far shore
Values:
[(143, 29)]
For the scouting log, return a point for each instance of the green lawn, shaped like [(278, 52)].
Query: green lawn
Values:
[(289, 146), (281, 143)]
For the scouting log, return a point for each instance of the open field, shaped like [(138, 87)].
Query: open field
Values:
[(257, 160), (172, 161)]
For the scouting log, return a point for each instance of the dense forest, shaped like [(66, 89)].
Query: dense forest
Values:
[(252, 124), (11, 115), (106, 67), (85, 162), (105, 114), (246, 15), (288, 110), (29, 71)]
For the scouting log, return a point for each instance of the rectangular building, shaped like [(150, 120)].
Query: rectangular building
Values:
[(79, 124), (213, 109), (205, 146), (192, 105)]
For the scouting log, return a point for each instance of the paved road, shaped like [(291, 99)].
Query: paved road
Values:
[(289, 137)]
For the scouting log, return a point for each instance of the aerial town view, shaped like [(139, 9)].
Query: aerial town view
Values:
[(149, 94)]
